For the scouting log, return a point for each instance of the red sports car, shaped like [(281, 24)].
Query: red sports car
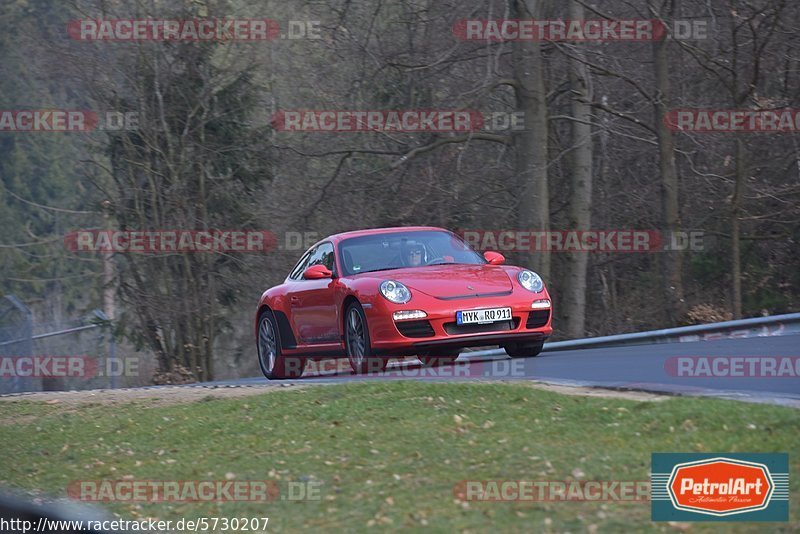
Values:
[(371, 295)]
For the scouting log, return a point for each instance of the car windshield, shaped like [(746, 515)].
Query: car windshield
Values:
[(396, 250)]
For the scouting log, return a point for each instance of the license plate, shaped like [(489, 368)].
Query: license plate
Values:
[(488, 315)]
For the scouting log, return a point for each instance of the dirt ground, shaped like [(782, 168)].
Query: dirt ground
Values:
[(167, 395)]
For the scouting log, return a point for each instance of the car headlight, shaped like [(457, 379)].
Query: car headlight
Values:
[(530, 281), (395, 292)]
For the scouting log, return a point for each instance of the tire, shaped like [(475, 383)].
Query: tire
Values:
[(273, 363), (357, 342), (523, 350), (438, 358)]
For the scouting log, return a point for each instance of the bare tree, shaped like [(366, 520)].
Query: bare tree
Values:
[(531, 143), (672, 261), (573, 295)]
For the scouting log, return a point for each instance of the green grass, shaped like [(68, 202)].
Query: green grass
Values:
[(389, 454)]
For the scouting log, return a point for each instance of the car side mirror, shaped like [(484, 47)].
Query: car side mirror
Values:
[(317, 272), (494, 258)]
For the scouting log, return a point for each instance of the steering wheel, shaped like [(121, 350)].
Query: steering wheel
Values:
[(434, 260)]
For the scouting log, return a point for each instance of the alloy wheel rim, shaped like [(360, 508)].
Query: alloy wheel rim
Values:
[(267, 345), (355, 337)]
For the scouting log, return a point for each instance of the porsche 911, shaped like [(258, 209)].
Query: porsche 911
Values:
[(372, 295)]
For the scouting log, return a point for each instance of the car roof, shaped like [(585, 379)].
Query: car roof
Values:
[(336, 238)]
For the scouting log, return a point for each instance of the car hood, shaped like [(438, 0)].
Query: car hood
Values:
[(454, 281)]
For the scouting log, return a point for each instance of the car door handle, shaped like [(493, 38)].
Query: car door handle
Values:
[(295, 300)]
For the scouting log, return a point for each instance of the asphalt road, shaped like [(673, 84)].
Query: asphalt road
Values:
[(645, 367)]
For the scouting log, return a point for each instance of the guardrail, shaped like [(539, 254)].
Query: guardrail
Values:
[(18, 341), (774, 325)]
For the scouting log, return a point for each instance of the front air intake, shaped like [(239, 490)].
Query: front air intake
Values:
[(421, 328), (537, 318)]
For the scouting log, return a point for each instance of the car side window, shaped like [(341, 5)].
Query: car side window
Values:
[(323, 255), (302, 265)]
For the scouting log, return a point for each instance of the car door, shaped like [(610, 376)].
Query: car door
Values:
[(313, 302)]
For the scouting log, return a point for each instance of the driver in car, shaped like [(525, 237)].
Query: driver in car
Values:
[(413, 255)]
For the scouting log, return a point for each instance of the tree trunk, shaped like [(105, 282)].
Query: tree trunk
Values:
[(736, 253), (580, 209), (531, 142), (109, 289), (672, 260)]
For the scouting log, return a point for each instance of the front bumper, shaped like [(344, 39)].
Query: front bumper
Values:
[(439, 329)]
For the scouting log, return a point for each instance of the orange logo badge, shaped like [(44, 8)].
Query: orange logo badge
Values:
[(720, 486)]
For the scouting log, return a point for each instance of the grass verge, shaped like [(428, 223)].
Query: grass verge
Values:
[(389, 454)]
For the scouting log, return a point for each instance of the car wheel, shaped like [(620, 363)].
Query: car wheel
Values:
[(438, 358), (274, 364), (523, 350), (357, 344)]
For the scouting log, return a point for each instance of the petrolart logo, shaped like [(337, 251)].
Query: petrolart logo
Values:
[(720, 487)]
